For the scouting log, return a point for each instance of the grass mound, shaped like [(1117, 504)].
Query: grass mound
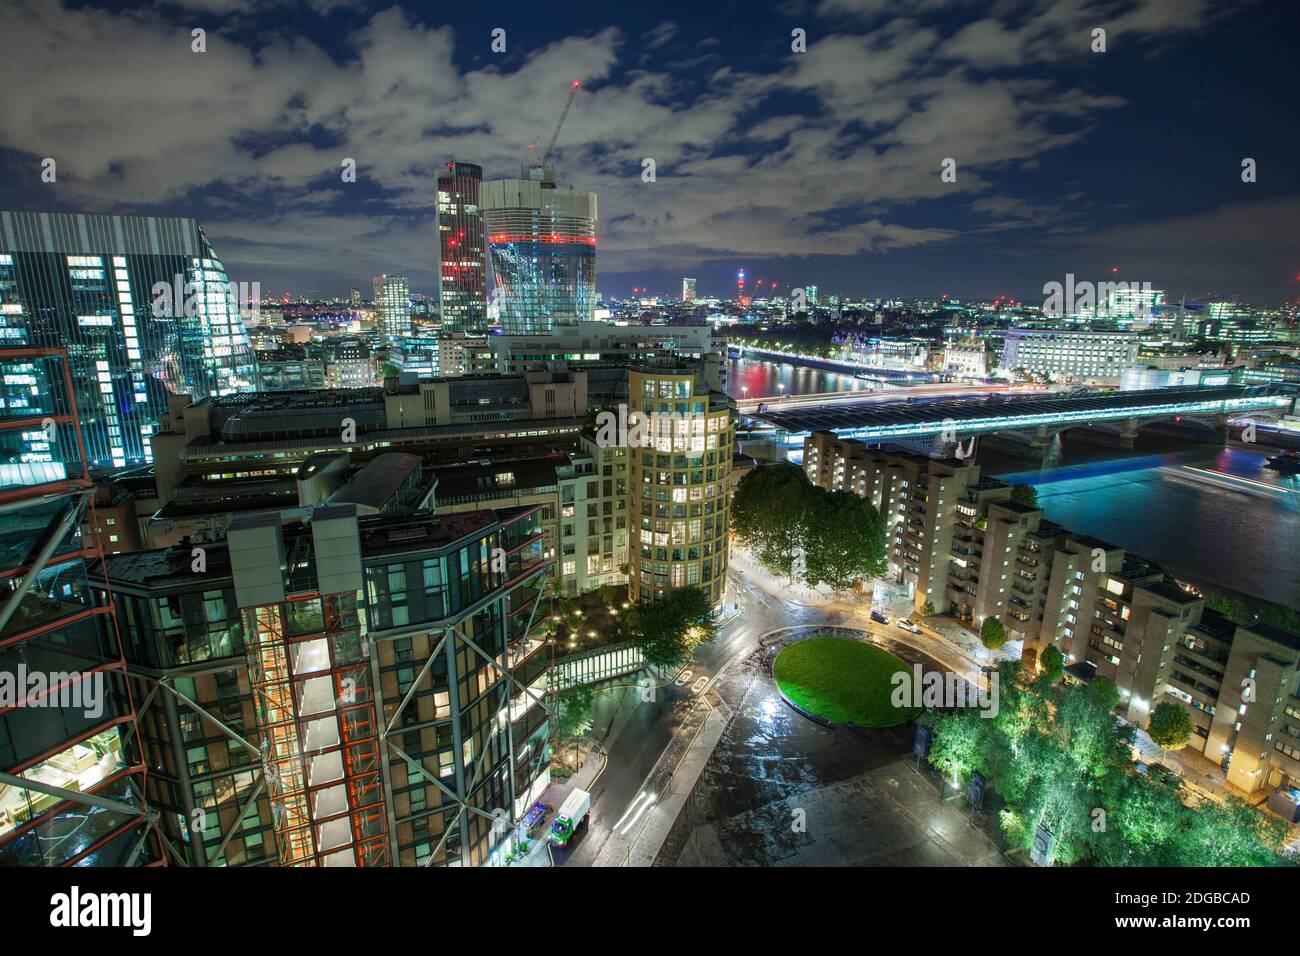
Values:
[(842, 680)]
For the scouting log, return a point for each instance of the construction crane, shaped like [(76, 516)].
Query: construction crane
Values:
[(573, 92)]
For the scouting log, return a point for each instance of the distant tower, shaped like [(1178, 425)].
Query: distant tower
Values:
[(392, 307), (740, 289), (462, 284), (688, 290)]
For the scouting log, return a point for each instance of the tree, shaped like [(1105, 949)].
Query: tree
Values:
[(668, 630), (992, 634), (607, 594), (843, 539), (1052, 664), (1171, 725), (928, 610), (1234, 609), (767, 514), (573, 713), (1025, 495)]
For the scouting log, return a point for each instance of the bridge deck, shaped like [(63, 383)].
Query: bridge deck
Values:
[(979, 415)]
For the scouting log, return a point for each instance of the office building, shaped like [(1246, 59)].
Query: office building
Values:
[(681, 470), (1071, 356), (542, 248), (144, 308), (462, 282), (71, 772), (959, 543), (688, 290), (392, 307)]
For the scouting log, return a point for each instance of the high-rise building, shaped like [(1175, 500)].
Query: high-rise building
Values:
[(144, 308), (462, 284), (542, 246), (681, 467), (355, 300), (336, 690), (392, 307), (71, 774), (1084, 356), (688, 290)]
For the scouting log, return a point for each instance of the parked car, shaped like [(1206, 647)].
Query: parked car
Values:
[(909, 626), (880, 616), (536, 817)]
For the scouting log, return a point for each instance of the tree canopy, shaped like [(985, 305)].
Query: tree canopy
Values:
[(795, 529), (669, 629), (992, 634), (1058, 757), (1023, 494), (1171, 725)]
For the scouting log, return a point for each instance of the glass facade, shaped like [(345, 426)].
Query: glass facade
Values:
[(66, 713), (462, 271), (392, 307), (542, 246), (143, 307)]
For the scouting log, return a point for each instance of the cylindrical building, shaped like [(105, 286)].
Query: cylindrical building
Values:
[(542, 246)]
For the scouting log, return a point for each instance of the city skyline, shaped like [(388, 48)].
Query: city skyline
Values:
[(821, 167)]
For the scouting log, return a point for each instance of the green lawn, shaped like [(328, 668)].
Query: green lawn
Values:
[(842, 680)]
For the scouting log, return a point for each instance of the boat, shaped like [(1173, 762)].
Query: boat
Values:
[(1288, 461)]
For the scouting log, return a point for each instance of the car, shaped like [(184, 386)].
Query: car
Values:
[(880, 616), (909, 626), (536, 817)]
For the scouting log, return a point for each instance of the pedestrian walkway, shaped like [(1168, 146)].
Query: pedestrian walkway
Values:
[(793, 592), (595, 759)]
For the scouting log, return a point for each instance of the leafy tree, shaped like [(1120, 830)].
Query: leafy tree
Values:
[(668, 630), (992, 634), (607, 594), (1171, 725), (958, 742), (928, 610), (1052, 664), (843, 540), (767, 514), (1025, 495), (573, 713)]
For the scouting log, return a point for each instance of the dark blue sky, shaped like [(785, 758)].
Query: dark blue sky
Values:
[(820, 167)]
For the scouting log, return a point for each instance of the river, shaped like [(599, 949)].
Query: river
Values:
[(751, 378)]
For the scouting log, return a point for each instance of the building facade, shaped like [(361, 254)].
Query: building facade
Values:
[(144, 308), (678, 471), (392, 307), (338, 691), (1081, 356), (72, 776), (462, 272), (542, 247)]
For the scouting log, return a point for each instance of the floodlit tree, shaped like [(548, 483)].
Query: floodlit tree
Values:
[(669, 629), (767, 515), (1052, 664), (992, 634), (1171, 725), (573, 713)]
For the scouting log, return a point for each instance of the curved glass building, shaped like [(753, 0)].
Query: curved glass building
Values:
[(542, 246), (144, 308)]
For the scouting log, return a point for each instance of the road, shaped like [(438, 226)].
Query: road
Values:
[(619, 796)]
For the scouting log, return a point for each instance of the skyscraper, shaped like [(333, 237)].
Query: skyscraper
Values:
[(462, 284), (71, 774), (392, 307), (542, 244), (688, 290), (142, 305)]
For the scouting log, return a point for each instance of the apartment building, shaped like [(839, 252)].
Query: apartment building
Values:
[(959, 542), (341, 691), (584, 501), (682, 471)]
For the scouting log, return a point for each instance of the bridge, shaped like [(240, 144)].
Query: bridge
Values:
[(938, 425), (886, 393)]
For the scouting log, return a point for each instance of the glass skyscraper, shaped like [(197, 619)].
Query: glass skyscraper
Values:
[(143, 307), (462, 273), (392, 307), (542, 245)]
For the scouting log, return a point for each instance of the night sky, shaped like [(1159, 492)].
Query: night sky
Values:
[(815, 168)]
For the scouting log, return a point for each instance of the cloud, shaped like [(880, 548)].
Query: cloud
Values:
[(833, 152)]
